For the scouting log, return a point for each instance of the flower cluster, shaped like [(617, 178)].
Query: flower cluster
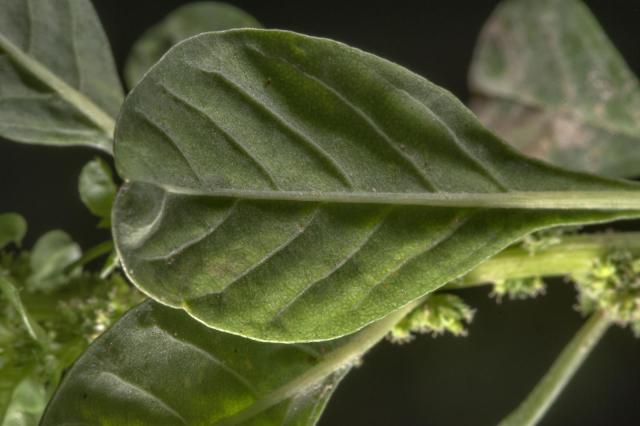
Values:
[(612, 285), (518, 288), (440, 313)]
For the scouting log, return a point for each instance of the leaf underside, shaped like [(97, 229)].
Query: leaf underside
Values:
[(226, 118), (59, 82), (180, 24), (547, 79), (130, 374)]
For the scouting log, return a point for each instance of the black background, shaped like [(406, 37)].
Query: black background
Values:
[(433, 381)]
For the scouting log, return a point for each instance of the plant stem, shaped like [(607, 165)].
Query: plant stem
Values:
[(575, 254), (91, 254), (531, 410), (10, 291)]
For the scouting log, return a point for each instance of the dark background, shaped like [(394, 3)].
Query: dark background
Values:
[(433, 381)]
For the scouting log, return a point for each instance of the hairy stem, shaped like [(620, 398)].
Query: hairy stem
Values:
[(548, 389), (575, 254)]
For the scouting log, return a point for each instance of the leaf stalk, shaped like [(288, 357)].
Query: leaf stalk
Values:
[(533, 408)]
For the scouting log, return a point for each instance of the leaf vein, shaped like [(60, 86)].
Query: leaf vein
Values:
[(455, 224), (234, 141), (420, 172), (374, 229), (192, 347), (184, 246), (298, 135), (126, 384), (165, 135)]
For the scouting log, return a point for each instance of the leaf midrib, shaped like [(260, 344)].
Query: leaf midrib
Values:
[(78, 100), (543, 200)]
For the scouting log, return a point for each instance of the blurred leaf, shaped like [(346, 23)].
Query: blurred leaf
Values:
[(51, 254), (97, 189), (10, 378), (13, 296), (282, 196), (546, 78), (13, 228), (182, 23), (42, 333), (59, 82), (131, 373), (26, 405)]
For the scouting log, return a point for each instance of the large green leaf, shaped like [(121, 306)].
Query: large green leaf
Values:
[(547, 79), (59, 83), (158, 366), (182, 23), (291, 188)]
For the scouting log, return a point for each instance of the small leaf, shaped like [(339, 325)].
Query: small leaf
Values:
[(9, 379), (182, 23), (51, 255), (11, 293), (547, 79), (97, 189), (26, 405), (59, 82), (131, 373), (13, 228)]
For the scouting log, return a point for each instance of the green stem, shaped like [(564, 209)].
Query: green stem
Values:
[(548, 389), (91, 254), (574, 255)]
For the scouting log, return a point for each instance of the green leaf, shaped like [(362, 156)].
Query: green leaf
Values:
[(182, 23), (10, 378), (130, 374), (51, 255), (11, 293), (97, 189), (547, 79), (26, 405), (291, 188), (13, 228), (59, 82)]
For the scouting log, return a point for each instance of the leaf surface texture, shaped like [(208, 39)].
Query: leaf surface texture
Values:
[(291, 188)]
